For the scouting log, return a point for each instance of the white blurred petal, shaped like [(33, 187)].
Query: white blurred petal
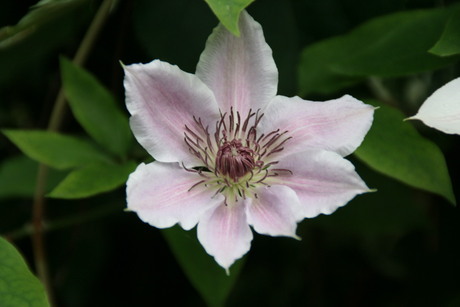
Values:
[(442, 109)]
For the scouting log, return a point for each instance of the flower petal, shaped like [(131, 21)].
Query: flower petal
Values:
[(240, 70), (225, 233), (275, 211), (338, 125), (442, 109), (323, 180), (162, 100), (159, 194)]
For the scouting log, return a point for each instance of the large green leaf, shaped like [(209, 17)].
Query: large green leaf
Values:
[(95, 109), (93, 179), (228, 12), (394, 148), (54, 149), (18, 177), (316, 73), (18, 286), (203, 272), (449, 43), (391, 45)]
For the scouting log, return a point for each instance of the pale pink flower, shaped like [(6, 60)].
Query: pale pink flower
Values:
[(230, 153)]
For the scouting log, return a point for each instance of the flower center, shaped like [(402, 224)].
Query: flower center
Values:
[(234, 160)]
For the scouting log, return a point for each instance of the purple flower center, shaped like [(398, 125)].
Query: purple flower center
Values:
[(234, 159)]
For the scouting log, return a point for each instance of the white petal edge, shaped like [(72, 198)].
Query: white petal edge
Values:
[(337, 125), (275, 211), (225, 234), (322, 180), (239, 70), (162, 100), (442, 109), (159, 194)]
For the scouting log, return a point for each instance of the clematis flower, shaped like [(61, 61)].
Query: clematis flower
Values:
[(442, 109), (230, 153)]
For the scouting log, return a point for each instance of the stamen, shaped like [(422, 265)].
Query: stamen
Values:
[(234, 156), (196, 184), (282, 170), (192, 133), (246, 122)]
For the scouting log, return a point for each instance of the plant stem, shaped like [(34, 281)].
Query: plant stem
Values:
[(54, 124), (79, 59), (64, 222)]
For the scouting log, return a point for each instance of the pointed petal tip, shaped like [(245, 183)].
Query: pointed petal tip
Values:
[(411, 118)]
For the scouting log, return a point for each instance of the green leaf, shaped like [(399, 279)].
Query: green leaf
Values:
[(316, 73), (449, 42), (18, 286), (392, 45), (54, 149), (47, 29), (395, 148), (386, 46), (228, 12), (208, 278), (93, 179), (18, 177), (41, 14), (95, 109)]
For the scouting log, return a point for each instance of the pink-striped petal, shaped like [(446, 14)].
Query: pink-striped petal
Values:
[(338, 125), (322, 180), (225, 233), (239, 70), (160, 194), (275, 211), (162, 100)]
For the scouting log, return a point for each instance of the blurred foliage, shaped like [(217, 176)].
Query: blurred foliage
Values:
[(397, 246), (448, 44), (396, 149)]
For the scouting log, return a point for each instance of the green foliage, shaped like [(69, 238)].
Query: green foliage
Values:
[(18, 286), (228, 12), (95, 109), (449, 42), (47, 26), (41, 14), (93, 179), (203, 272), (395, 148), (387, 46), (54, 149), (18, 175)]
